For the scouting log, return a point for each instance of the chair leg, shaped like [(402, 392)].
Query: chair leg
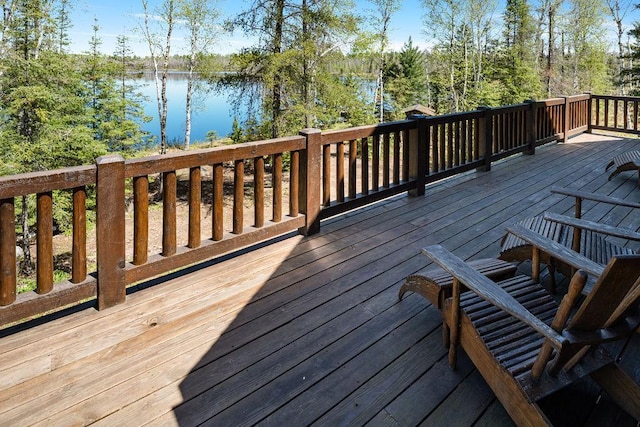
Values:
[(504, 386), (552, 277), (445, 334), (621, 387)]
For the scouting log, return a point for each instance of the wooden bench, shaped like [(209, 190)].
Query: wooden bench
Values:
[(625, 162)]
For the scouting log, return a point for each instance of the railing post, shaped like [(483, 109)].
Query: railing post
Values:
[(485, 142), (566, 118), (589, 112), (530, 121), (418, 140), (7, 252), (110, 230), (310, 180)]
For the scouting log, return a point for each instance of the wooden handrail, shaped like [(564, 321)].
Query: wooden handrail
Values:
[(330, 172)]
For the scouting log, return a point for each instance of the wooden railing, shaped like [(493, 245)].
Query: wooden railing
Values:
[(615, 113), (364, 164), (329, 173)]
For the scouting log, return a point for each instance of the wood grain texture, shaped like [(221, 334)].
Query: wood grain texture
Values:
[(169, 220), (44, 240), (309, 326), (79, 242), (8, 251), (140, 219)]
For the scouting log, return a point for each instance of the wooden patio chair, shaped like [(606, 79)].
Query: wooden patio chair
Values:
[(593, 240), (526, 346), (625, 162)]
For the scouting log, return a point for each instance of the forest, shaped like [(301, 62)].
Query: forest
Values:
[(306, 69)]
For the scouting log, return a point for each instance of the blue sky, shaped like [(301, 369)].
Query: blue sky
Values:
[(117, 17)]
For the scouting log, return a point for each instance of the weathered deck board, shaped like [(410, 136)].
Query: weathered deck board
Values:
[(308, 330)]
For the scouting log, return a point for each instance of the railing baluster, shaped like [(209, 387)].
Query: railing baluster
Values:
[(217, 218), (464, 142), (364, 167), (195, 196), (326, 175), (443, 146), (353, 151), (79, 245), (435, 148), (386, 159), (7, 252), (277, 187), (140, 219), (375, 164), (294, 184), (238, 197), (340, 172), (258, 191), (169, 233), (44, 243), (456, 143), (450, 132), (476, 139), (405, 156), (396, 158)]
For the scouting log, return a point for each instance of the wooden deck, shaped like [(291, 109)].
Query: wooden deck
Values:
[(310, 330)]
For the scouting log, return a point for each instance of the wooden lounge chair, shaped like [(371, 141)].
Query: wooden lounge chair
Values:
[(527, 347), (625, 162), (585, 237)]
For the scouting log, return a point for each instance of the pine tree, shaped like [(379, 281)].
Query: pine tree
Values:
[(517, 69), (406, 78)]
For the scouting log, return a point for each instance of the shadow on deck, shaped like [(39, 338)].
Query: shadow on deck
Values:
[(310, 330)]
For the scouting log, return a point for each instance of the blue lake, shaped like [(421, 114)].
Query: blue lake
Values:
[(211, 111)]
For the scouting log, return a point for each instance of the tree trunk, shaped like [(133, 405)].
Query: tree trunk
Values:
[(187, 128)]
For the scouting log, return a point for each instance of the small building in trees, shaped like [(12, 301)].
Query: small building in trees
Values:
[(419, 109)]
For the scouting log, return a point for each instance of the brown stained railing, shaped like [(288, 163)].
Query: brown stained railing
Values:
[(549, 120), (358, 163), (510, 124), (229, 232), (47, 296), (577, 115), (614, 113), (453, 143), (329, 173)]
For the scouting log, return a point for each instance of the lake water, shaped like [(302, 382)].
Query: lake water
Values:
[(211, 112)]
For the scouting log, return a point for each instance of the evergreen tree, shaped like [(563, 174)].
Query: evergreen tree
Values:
[(406, 78), (292, 60), (517, 69), (115, 111)]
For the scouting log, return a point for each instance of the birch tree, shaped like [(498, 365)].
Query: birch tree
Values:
[(385, 10), (618, 9), (199, 18), (157, 29)]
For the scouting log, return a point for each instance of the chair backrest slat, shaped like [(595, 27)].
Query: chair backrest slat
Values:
[(615, 283)]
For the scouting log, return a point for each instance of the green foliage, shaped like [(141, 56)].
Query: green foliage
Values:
[(405, 78)]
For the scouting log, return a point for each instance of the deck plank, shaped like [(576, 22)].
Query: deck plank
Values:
[(308, 329)]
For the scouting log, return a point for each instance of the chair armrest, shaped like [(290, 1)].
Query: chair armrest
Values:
[(556, 250), (595, 197), (593, 226), (489, 291)]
